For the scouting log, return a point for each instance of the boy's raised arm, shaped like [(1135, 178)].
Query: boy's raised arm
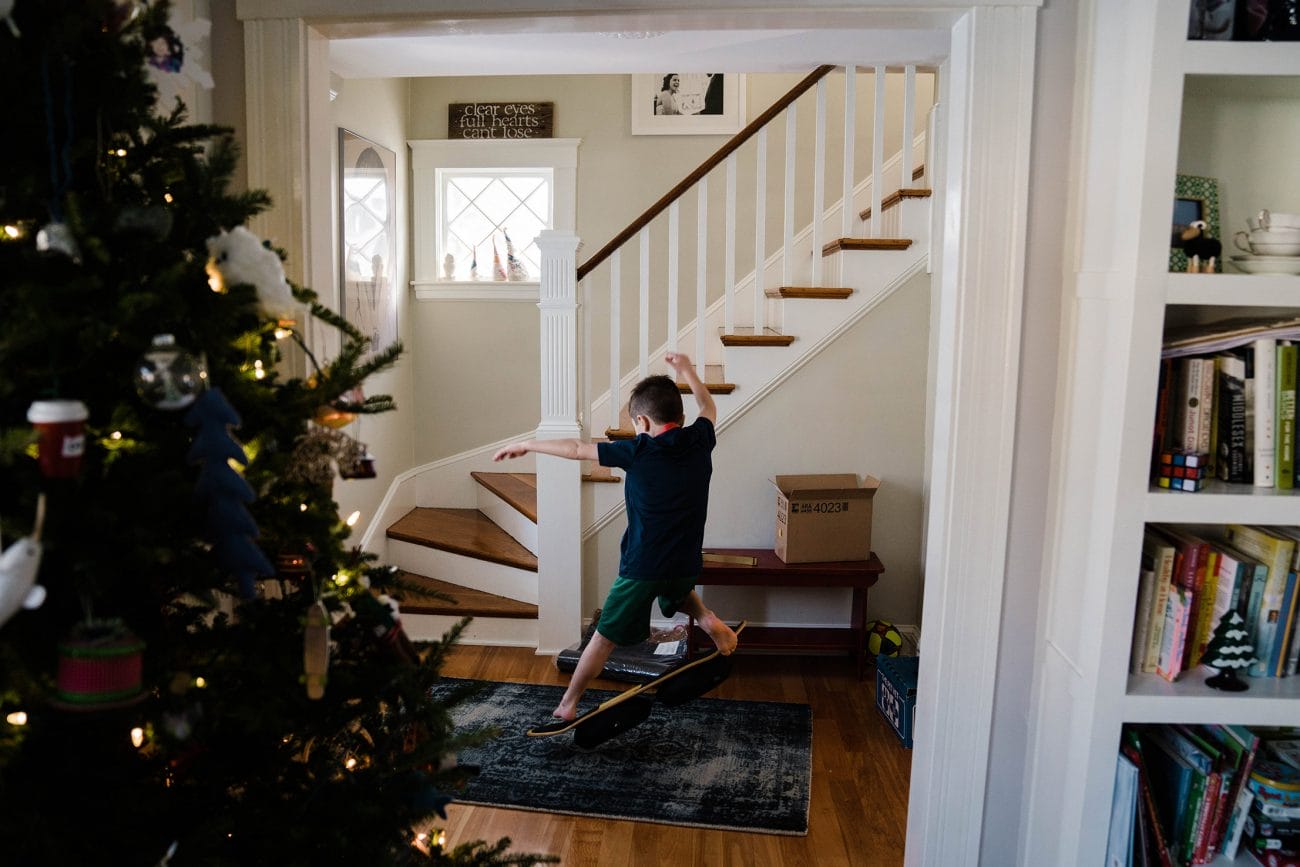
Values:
[(573, 449), (681, 363)]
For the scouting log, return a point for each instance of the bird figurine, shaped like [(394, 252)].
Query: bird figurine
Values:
[(18, 567), (1202, 250)]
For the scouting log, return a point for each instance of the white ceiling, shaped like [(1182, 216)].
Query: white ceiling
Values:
[(643, 42)]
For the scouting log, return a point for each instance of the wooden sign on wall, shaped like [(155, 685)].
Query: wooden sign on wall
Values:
[(500, 120)]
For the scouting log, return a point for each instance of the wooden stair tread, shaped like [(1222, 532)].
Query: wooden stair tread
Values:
[(518, 490), (866, 244), (897, 196), (464, 602), (619, 433), (462, 531), (713, 388), (838, 292), (748, 337)]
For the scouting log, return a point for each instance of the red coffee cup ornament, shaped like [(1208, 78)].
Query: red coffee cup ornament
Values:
[(61, 427)]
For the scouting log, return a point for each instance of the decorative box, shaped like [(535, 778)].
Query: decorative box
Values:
[(896, 693)]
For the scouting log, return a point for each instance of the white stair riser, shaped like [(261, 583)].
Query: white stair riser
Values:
[(495, 631), (507, 581), (508, 518)]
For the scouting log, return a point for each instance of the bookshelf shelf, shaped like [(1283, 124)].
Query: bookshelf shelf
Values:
[(1234, 290), (1241, 58), (1270, 701), (1223, 503)]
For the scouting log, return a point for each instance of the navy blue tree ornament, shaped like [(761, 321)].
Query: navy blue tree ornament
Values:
[(230, 527)]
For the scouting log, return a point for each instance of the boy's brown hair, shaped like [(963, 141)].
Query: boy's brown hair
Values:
[(658, 398)]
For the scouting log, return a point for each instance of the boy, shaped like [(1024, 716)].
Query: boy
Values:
[(667, 495)]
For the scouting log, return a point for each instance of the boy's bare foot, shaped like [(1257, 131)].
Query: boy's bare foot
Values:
[(721, 633), (566, 713)]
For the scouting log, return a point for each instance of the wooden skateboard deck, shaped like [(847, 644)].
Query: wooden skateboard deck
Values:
[(633, 705)]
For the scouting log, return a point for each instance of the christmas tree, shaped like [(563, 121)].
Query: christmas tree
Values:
[(1229, 649), (195, 667)]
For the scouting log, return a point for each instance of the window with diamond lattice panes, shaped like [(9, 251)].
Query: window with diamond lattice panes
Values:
[(490, 223)]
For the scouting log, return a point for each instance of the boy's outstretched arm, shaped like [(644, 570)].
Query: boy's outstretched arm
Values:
[(573, 449), (681, 363)]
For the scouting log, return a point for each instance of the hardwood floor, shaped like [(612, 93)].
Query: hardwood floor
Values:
[(858, 810)]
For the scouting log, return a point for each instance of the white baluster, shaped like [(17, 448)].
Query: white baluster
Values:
[(850, 133), (787, 246), (644, 348), (878, 153), (760, 228), (819, 182), (615, 332), (584, 356), (909, 121), (701, 262), (672, 275), (729, 245)]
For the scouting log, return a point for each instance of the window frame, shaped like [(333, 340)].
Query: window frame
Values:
[(432, 159)]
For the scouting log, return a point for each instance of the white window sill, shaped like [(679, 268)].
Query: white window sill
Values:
[(477, 290)]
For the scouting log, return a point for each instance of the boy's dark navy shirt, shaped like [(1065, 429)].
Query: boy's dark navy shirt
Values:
[(667, 496)]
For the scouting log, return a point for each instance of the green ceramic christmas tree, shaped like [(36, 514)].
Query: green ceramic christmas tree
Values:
[(194, 662)]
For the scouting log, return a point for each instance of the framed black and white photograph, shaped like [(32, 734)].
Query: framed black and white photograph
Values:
[(688, 103), (368, 237)]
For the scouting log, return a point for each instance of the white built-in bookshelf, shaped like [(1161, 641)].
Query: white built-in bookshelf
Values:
[(1149, 698), (1136, 144)]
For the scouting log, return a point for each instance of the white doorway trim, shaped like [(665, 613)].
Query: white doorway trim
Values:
[(978, 284)]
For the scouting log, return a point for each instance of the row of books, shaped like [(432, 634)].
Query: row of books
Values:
[(1232, 401), (1186, 794), (1189, 583)]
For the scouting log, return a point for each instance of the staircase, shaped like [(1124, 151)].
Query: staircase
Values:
[(481, 560)]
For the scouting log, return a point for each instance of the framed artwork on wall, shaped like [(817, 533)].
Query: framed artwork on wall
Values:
[(368, 237), (1195, 198), (688, 103)]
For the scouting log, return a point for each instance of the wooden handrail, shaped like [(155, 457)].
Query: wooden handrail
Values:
[(704, 168)]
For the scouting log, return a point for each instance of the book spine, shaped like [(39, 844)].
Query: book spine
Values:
[(1286, 622), (1170, 664), (1293, 654), (1189, 402), (1265, 351), (1206, 596), (1142, 620), (1164, 569), (1284, 448), (1230, 408), (1205, 408)]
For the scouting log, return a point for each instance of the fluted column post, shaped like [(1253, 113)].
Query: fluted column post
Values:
[(559, 481)]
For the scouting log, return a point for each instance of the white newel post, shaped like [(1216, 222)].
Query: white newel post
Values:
[(559, 481)]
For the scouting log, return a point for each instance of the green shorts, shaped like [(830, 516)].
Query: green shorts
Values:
[(625, 618)]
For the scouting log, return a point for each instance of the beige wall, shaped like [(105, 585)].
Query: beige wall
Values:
[(473, 349), (377, 110), (1232, 126)]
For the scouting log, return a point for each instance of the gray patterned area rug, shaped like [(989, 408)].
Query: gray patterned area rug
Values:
[(709, 763)]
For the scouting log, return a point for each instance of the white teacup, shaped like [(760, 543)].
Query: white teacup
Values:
[(1269, 242), (1276, 220)]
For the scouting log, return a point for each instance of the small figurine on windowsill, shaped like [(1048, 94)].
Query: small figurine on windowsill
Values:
[(1202, 250), (449, 267)]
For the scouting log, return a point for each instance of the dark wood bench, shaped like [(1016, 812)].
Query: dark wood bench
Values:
[(770, 571)]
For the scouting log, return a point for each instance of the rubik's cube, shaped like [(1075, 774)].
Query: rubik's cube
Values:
[(1181, 470)]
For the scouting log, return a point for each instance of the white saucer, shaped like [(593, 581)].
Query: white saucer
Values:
[(1268, 264)]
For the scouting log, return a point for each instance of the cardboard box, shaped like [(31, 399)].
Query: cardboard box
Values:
[(823, 518), (896, 693)]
